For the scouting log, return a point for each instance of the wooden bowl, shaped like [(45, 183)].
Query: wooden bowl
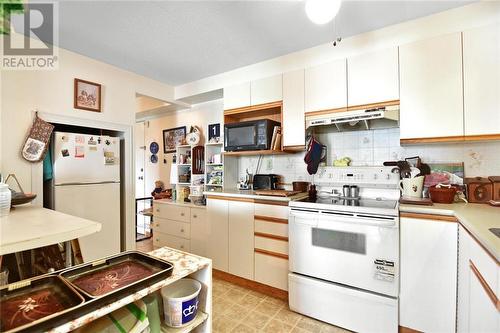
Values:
[(300, 186), (22, 199), (444, 195)]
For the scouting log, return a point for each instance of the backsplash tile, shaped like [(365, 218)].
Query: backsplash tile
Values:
[(372, 148)]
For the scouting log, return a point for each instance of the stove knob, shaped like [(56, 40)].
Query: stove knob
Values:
[(375, 176), (388, 176)]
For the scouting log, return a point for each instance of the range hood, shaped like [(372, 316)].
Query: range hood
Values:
[(357, 120)]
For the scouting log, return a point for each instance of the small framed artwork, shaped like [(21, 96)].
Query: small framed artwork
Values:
[(214, 133), (87, 96), (172, 138)]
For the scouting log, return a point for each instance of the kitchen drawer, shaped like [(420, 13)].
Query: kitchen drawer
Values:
[(266, 227), (160, 239), (485, 264), (272, 271), (273, 245), (199, 214), (172, 212), (174, 228), (276, 211)]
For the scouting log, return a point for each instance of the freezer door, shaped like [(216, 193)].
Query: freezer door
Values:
[(81, 158), (100, 203)]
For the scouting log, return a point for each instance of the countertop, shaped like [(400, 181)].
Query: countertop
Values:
[(28, 227), (184, 265), (176, 203), (476, 218), (251, 195)]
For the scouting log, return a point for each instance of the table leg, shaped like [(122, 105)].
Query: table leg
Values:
[(68, 253)]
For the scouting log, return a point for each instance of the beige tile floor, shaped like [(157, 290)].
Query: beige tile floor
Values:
[(236, 309)]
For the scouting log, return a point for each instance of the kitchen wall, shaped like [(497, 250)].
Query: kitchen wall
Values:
[(200, 115), (51, 93), (372, 148)]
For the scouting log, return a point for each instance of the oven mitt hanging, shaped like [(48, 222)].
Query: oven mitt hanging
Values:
[(37, 142), (313, 156)]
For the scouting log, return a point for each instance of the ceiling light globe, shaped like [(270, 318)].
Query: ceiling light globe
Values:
[(322, 11)]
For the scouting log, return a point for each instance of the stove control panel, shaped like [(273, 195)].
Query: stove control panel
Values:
[(381, 176)]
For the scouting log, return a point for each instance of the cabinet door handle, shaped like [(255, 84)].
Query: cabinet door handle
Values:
[(182, 230), (486, 287), (157, 210), (182, 246)]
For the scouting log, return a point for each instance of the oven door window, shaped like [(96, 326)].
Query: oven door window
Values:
[(241, 136), (339, 240)]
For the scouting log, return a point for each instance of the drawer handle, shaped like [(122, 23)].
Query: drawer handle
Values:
[(157, 239), (182, 214), (157, 210), (182, 230), (195, 216), (486, 287), (182, 246)]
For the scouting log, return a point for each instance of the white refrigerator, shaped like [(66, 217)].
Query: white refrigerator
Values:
[(86, 183)]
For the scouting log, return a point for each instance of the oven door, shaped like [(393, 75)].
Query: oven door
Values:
[(360, 251)]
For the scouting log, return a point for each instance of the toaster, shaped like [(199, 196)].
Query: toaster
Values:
[(265, 182)]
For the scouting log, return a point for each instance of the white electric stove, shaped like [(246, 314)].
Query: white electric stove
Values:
[(344, 252)]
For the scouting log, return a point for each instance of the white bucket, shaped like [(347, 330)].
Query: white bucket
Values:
[(180, 302)]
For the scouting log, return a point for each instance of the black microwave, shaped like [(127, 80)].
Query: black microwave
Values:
[(249, 135)]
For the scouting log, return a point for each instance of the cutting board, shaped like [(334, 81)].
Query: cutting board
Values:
[(277, 193)]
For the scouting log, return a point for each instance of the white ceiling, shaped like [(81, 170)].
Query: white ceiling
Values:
[(182, 41)]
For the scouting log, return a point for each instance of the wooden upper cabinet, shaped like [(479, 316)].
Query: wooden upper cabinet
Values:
[(237, 96), (326, 86), (373, 77), (431, 96), (266, 90), (293, 109), (481, 47)]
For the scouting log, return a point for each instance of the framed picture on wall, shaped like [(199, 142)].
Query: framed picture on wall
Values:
[(87, 96), (172, 138)]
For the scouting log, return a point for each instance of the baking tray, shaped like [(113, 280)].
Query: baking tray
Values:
[(29, 303), (111, 275)]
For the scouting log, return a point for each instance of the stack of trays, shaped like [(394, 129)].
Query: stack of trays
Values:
[(44, 302)]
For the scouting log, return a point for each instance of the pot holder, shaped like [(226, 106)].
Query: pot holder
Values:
[(37, 142), (313, 156)]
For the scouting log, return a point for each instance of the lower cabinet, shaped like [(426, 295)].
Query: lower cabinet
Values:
[(218, 233), (199, 231), (179, 226), (428, 273), (271, 270), (478, 288), (241, 243)]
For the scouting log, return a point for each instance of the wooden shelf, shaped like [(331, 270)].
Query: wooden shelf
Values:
[(214, 185), (214, 164), (255, 152), (200, 318), (184, 164)]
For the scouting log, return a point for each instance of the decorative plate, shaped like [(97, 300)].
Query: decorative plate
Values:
[(154, 158), (154, 148), (193, 138)]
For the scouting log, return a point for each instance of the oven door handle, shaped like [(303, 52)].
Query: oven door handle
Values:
[(303, 219)]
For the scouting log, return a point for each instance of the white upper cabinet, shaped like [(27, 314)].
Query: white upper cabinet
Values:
[(237, 96), (431, 88), (373, 77), (326, 86), (481, 47), (293, 109), (266, 90)]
